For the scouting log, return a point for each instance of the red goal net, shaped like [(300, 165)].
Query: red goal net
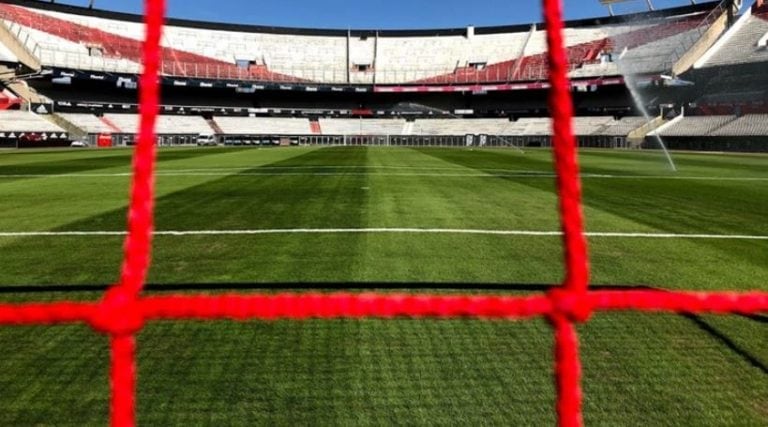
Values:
[(123, 311)]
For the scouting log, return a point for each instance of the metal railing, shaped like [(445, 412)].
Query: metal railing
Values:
[(436, 141), (218, 71)]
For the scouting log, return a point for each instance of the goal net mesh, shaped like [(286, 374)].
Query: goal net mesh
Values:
[(124, 310)]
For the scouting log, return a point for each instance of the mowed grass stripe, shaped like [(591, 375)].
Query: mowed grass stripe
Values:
[(43, 204), (639, 369), (242, 203), (519, 175)]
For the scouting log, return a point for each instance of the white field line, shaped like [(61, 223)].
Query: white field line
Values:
[(525, 233), (519, 174), (342, 167)]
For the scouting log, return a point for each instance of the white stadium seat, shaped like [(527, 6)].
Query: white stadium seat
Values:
[(190, 125), (263, 126), (89, 123), (743, 46), (696, 126), (24, 121), (747, 125), (79, 41), (362, 126)]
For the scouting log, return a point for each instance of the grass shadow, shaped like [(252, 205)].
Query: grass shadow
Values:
[(243, 200), (668, 206), (727, 342), (74, 162)]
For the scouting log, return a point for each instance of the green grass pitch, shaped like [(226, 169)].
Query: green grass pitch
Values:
[(639, 369)]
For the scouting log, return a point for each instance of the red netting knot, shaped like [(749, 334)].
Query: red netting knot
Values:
[(118, 314), (573, 305)]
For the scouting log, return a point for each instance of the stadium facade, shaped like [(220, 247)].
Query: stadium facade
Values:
[(71, 73)]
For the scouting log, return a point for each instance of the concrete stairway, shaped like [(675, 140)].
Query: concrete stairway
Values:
[(637, 136), (22, 52), (314, 126), (214, 126), (74, 131)]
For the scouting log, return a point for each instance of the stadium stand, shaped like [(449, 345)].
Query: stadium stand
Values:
[(620, 127), (263, 126), (696, 126), (183, 124), (748, 125), (589, 125), (122, 312), (73, 38), (89, 123), (313, 76), (534, 127), (583, 126), (170, 125), (745, 44), (277, 126), (81, 42), (363, 126), (651, 56), (24, 121), (587, 50), (414, 59), (462, 127)]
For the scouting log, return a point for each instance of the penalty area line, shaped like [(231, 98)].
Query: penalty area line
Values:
[(523, 233)]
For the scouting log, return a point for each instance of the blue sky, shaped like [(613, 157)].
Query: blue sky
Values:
[(371, 14)]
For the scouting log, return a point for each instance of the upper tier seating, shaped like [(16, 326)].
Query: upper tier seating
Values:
[(93, 43), (743, 46), (24, 121), (653, 56), (83, 42), (655, 43), (58, 43)]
